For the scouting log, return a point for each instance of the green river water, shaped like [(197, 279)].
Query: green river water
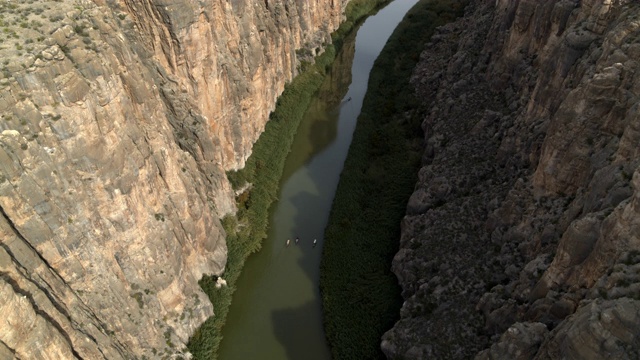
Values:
[(276, 310)]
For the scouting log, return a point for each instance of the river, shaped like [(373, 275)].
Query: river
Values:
[(276, 310)]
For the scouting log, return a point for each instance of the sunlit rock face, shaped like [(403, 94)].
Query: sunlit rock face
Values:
[(522, 238), (119, 120)]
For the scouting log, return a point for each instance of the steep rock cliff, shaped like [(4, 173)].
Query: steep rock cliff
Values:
[(119, 120), (522, 238)]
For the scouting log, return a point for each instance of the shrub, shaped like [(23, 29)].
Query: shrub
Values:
[(360, 296)]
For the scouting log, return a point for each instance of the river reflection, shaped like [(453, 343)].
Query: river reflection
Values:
[(319, 127), (276, 310)]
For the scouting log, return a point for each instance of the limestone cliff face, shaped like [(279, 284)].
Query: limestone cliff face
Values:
[(119, 120), (522, 238)]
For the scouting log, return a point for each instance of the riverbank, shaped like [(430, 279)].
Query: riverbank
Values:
[(361, 297), (262, 171)]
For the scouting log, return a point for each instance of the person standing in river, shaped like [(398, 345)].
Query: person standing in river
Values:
[(315, 241), (297, 239)]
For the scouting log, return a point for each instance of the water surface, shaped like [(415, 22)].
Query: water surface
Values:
[(276, 310)]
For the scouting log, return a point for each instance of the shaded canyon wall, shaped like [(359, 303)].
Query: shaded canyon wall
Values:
[(119, 120), (522, 238)]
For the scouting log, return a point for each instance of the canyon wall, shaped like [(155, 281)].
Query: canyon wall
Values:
[(119, 120), (522, 237)]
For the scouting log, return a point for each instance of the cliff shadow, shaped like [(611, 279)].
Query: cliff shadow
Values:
[(296, 337)]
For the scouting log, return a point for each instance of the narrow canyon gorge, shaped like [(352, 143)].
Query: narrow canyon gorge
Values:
[(120, 119)]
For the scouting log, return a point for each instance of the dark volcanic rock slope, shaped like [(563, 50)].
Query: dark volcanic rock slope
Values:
[(522, 238)]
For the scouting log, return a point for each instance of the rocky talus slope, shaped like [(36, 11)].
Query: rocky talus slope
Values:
[(522, 238), (119, 119)]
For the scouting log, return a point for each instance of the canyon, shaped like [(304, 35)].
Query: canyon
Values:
[(120, 119)]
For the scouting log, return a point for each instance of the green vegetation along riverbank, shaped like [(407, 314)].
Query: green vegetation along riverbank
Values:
[(263, 171), (360, 296)]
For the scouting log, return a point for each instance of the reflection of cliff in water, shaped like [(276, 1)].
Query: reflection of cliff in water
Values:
[(337, 82), (319, 127)]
